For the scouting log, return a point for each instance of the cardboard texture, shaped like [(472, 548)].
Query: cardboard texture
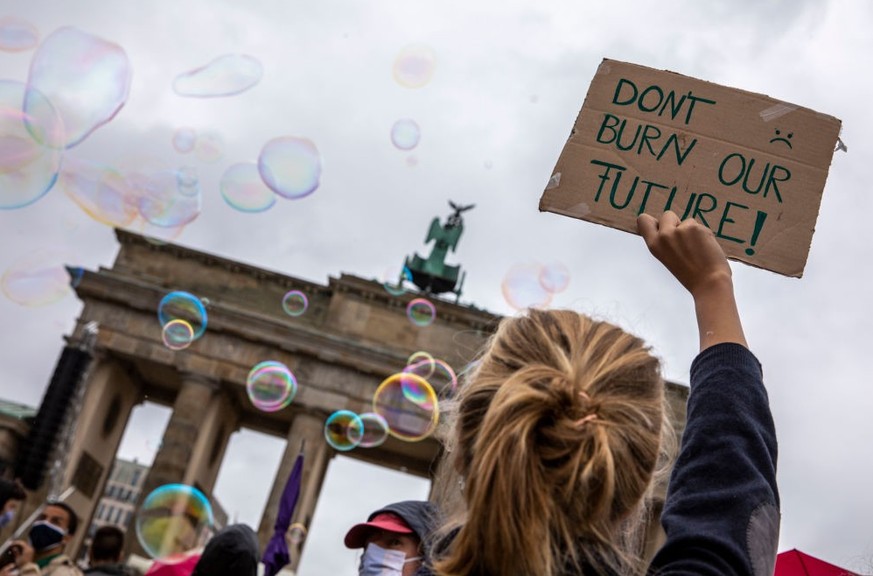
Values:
[(749, 167)]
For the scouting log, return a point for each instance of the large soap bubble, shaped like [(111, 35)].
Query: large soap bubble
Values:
[(172, 520), (31, 145), (242, 188), (344, 430), (271, 386), (17, 35), (409, 405), (179, 305), (290, 166), (86, 78), (227, 75), (101, 191)]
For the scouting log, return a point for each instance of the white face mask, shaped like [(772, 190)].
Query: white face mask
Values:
[(381, 562)]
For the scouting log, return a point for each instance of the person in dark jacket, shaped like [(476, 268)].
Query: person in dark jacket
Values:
[(231, 552), (396, 539), (107, 549)]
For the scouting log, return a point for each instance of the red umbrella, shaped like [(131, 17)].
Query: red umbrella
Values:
[(174, 566), (796, 563)]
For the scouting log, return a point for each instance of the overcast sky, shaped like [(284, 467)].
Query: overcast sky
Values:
[(508, 80)]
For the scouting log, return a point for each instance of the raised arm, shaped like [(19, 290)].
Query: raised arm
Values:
[(721, 513), (691, 253)]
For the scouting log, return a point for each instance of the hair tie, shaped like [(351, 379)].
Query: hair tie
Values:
[(583, 421)]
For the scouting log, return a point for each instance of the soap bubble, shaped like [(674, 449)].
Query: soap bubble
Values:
[(227, 75), (39, 277), (393, 280), (290, 166), (375, 430), (172, 520), (17, 35), (295, 303), (296, 533), (100, 191), (31, 145), (343, 430), (184, 140), (209, 147), (242, 188), (179, 305), (521, 287), (271, 386), (554, 277), (405, 134), (408, 403), (414, 66), (86, 78), (437, 373), (167, 198), (177, 334), (421, 312), (425, 359)]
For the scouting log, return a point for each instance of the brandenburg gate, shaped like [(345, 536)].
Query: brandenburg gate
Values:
[(353, 335)]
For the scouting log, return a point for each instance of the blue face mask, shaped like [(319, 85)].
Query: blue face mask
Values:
[(381, 562), (6, 518), (45, 535)]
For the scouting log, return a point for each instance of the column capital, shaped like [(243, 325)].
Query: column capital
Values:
[(200, 379)]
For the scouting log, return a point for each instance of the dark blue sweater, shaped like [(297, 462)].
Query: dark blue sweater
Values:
[(721, 514)]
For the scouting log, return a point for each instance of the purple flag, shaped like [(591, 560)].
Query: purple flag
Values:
[(276, 554)]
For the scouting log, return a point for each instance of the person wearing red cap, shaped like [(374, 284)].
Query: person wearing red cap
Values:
[(395, 539)]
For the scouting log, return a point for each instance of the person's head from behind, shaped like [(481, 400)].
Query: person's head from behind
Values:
[(11, 495), (556, 436), (53, 528), (233, 551), (393, 538), (107, 546)]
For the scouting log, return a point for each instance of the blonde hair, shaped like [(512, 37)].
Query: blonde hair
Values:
[(556, 436)]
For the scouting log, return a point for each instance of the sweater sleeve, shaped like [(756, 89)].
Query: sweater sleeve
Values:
[(721, 514), (29, 569)]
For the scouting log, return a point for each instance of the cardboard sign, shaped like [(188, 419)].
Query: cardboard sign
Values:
[(750, 168)]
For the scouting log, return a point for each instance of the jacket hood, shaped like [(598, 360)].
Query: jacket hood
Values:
[(420, 515), (231, 552)]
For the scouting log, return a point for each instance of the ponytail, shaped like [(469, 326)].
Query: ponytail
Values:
[(557, 436)]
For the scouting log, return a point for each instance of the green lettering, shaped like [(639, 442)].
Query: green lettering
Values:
[(727, 220), (604, 177), (648, 90), (680, 154), (624, 82), (695, 100), (675, 107), (721, 177), (649, 186), (698, 211), (771, 182), (646, 137), (607, 125)]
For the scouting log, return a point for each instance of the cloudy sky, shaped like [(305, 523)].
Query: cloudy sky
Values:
[(508, 79)]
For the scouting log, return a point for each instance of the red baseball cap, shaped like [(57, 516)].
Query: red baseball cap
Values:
[(388, 521)]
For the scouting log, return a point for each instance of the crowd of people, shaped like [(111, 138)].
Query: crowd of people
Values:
[(556, 441)]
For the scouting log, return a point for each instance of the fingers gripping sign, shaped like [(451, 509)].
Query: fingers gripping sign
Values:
[(687, 249), (691, 253)]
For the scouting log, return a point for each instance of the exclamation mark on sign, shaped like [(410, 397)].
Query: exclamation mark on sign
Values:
[(759, 223)]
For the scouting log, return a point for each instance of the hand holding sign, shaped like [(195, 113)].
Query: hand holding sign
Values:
[(749, 168), (691, 253)]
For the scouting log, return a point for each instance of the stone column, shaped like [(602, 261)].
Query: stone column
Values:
[(309, 428), (218, 421), (193, 443), (109, 398)]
